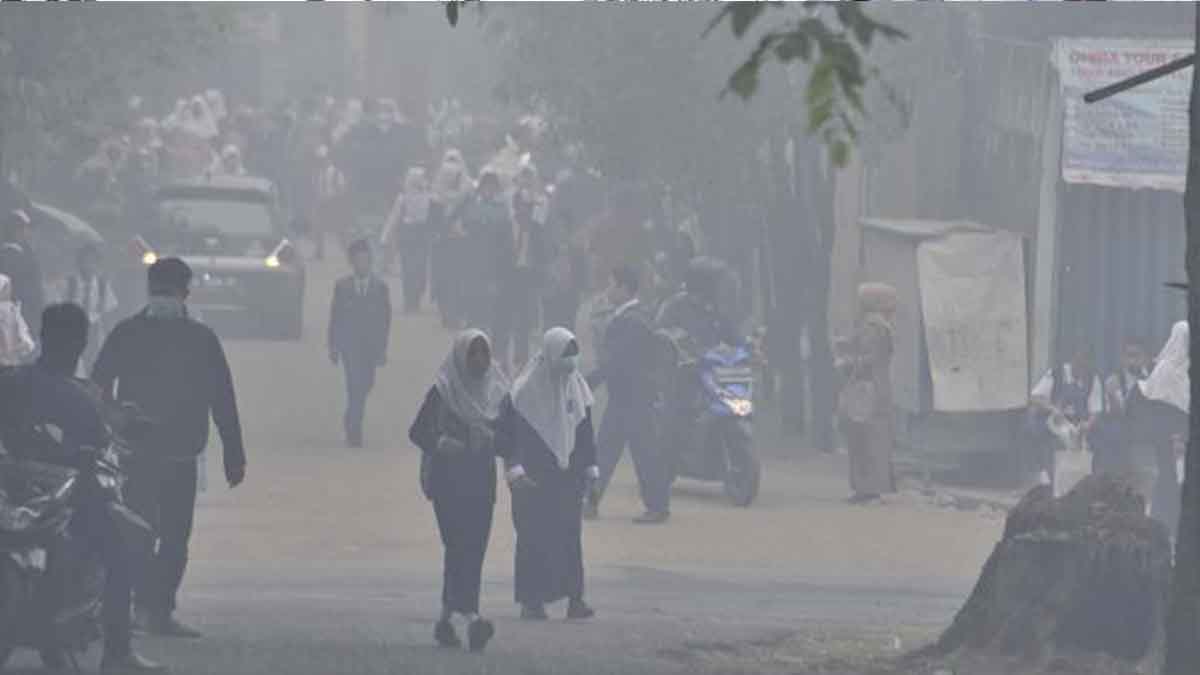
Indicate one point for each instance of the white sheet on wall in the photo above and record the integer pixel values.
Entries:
(972, 289)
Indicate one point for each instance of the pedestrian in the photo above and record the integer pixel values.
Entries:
(488, 251)
(546, 427)
(16, 343)
(59, 399)
(455, 431)
(866, 400)
(91, 290)
(452, 188)
(1160, 406)
(519, 265)
(407, 232)
(1066, 404)
(1115, 449)
(330, 212)
(174, 369)
(625, 365)
(19, 263)
(359, 328)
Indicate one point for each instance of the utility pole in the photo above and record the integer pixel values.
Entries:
(1183, 618)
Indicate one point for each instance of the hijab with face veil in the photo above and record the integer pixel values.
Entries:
(553, 396)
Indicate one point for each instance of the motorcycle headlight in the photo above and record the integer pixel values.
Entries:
(741, 407)
(106, 481)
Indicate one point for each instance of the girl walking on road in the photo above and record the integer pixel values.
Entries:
(546, 426)
(455, 432)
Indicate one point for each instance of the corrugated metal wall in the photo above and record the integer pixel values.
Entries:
(1116, 250)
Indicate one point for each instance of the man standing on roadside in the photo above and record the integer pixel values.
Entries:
(359, 327)
(174, 369)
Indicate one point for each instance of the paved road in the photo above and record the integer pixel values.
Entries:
(327, 559)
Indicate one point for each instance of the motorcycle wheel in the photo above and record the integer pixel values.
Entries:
(744, 472)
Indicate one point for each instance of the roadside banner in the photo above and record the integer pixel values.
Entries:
(1136, 139)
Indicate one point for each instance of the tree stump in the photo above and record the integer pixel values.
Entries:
(1077, 584)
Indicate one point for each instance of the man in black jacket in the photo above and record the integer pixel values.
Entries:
(19, 263)
(359, 328)
(625, 366)
(175, 370)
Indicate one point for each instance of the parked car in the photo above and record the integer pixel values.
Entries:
(232, 234)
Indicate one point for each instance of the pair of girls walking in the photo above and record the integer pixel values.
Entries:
(541, 427)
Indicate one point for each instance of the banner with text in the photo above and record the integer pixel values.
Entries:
(1136, 139)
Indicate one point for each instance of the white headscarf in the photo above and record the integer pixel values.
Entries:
(474, 400)
(552, 395)
(1169, 381)
(16, 344)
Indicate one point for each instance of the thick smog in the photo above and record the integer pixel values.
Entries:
(598, 338)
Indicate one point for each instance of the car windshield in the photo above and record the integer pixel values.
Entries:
(232, 218)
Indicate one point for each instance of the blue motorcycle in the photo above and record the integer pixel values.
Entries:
(705, 412)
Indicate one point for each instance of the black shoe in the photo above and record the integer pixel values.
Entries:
(479, 634)
(578, 610)
(445, 635)
(534, 613)
(129, 663)
(653, 518)
(171, 627)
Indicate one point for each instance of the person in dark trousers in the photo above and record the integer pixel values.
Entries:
(546, 427)
(174, 369)
(625, 364)
(73, 405)
(19, 263)
(359, 328)
(488, 251)
(455, 431)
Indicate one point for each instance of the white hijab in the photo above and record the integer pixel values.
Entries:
(1169, 381)
(552, 395)
(474, 400)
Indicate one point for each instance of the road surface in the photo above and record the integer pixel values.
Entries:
(327, 559)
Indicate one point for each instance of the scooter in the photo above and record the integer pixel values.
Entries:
(705, 412)
(51, 579)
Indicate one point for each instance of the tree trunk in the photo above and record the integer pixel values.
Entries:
(1076, 585)
(1183, 623)
(815, 191)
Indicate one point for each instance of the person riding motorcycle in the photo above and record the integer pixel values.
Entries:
(696, 309)
(58, 399)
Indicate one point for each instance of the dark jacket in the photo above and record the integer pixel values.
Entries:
(626, 358)
(175, 370)
(703, 322)
(20, 264)
(360, 325)
(466, 476)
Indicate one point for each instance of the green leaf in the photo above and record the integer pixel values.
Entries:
(839, 153)
(743, 14)
(744, 81)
